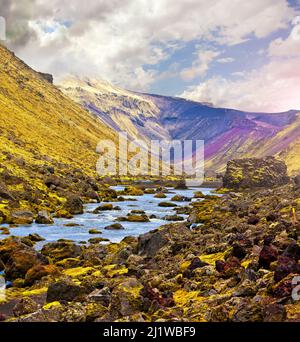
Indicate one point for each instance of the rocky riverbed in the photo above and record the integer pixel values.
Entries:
(233, 258)
(238, 265)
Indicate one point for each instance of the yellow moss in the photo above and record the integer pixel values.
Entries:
(185, 265)
(183, 297)
(97, 274)
(246, 263)
(34, 292)
(77, 271)
(114, 269)
(52, 305)
(293, 311)
(212, 258)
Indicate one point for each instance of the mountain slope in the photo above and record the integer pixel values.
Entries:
(43, 134)
(227, 133)
(118, 108)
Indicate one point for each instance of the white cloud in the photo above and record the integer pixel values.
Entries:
(273, 88)
(225, 60)
(289, 47)
(200, 65)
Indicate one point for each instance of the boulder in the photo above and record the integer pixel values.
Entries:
(114, 226)
(180, 198)
(43, 217)
(61, 250)
(160, 195)
(103, 207)
(150, 243)
(181, 185)
(132, 191)
(134, 218)
(173, 218)
(21, 260)
(285, 266)
(94, 231)
(37, 272)
(25, 306)
(63, 290)
(167, 204)
(254, 172)
(125, 299)
(21, 217)
(74, 205)
(101, 296)
(267, 255)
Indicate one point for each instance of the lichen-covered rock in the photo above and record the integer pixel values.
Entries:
(173, 218)
(74, 205)
(134, 218)
(18, 258)
(284, 267)
(254, 172)
(132, 191)
(125, 299)
(38, 272)
(25, 306)
(61, 250)
(21, 217)
(267, 255)
(114, 226)
(63, 290)
(150, 243)
(43, 217)
(167, 204)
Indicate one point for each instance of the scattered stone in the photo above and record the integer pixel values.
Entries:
(267, 255)
(160, 195)
(43, 217)
(25, 306)
(173, 218)
(94, 231)
(21, 217)
(74, 205)
(167, 204)
(114, 226)
(63, 290)
(61, 250)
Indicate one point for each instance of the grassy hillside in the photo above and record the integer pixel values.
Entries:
(41, 129)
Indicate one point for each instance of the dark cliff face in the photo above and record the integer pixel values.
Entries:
(47, 77)
(255, 173)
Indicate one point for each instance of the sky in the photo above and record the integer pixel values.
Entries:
(232, 53)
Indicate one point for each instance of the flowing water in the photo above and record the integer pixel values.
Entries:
(88, 220)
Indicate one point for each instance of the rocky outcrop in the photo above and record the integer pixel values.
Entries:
(47, 77)
(255, 173)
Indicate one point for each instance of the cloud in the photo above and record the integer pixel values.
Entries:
(123, 41)
(288, 48)
(225, 60)
(200, 65)
(272, 88)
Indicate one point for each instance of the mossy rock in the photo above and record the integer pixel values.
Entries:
(167, 204)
